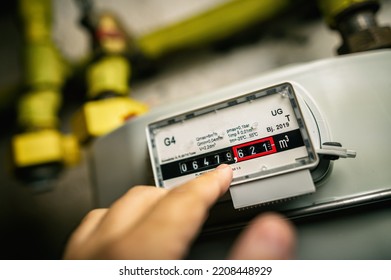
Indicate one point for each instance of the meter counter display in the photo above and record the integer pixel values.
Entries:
(260, 134)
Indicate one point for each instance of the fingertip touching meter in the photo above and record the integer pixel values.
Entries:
(262, 135)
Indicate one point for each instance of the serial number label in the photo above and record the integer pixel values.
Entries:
(250, 271)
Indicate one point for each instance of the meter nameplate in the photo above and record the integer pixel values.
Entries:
(260, 134)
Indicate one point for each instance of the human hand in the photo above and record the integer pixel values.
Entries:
(155, 223)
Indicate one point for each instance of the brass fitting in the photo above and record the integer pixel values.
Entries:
(109, 105)
(109, 74)
(332, 9)
(356, 22)
(99, 117)
(47, 150)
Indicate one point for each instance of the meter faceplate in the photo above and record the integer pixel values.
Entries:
(260, 134)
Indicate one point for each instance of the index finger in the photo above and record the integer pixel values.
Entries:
(177, 218)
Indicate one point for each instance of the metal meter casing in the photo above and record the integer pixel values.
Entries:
(337, 104)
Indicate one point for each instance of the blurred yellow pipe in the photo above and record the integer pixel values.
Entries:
(212, 25)
(44, 68)
(37, 19)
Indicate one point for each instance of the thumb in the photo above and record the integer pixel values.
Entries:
(269, 236)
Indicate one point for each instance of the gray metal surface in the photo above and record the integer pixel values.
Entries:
(352, 93)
